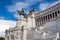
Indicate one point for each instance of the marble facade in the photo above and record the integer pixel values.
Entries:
(44, 25)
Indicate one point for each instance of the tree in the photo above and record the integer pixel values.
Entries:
(1, 38)
(22, 13)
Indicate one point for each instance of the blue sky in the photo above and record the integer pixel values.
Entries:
(8, 13)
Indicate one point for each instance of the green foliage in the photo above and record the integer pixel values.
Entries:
(1, 38)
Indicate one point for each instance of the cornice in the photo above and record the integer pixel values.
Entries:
(57, 6)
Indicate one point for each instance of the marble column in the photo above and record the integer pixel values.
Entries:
(43, 20)
(50, 17)
(53, 15)
(58, 12)
(36, 22)
(47, 17)
(39, 22)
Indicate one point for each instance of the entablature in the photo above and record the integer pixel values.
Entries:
(48, 11)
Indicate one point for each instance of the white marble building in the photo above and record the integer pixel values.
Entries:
(44, 25)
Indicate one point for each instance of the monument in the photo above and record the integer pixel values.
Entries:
(44, 25)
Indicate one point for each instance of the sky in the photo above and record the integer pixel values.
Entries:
(8, 10)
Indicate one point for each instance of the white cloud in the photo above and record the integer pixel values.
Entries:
(33, 1)
(20, 5)
(2, 34)
(44, 6)
(55, 2)
(26, 4)
(16, 15)
(17, 6)
(6, 24)
(2, 17)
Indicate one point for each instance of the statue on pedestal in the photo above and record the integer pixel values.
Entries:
(22, 13)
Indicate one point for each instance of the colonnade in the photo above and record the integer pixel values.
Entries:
(42, 20)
